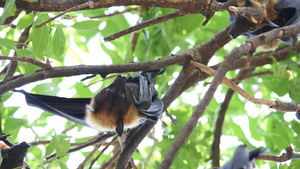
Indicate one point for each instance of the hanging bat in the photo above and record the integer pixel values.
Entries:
(242, 158)
(123, 104)
(278, 13)
(13, 154)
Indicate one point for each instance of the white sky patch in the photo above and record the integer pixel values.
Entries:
(218, 95)
(213, 61)
(26, 135)
(255, 87)
(203, 119)
(131, 18)
(191, 42)
(57, 122)
(109, 45)
(111, 10)
(171, 82)
(175, 74)
(289, 116)
(265, 109)
(258, 94)
(229, 141)
(251, 109)
(146, 143)
(102, 25)
(265, 166)
(71, 163)
(175, 50)
(175, 103)
(285, 98)
(67, 22)
(190, 98)
(158, 130)
(257, 143)
(243, 122)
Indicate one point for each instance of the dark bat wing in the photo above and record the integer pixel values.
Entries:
(70, 108)
(290, 11)
(149, 103)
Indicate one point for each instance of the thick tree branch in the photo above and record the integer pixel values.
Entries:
(88, 69)
(195, 6)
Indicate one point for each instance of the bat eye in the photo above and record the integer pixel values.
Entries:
(108, 90)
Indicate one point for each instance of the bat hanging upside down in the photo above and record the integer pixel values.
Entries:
(277, 13)
(123, 104)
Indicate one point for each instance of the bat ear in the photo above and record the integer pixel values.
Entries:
(120, 127)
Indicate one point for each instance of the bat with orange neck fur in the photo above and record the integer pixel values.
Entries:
(123, 104)
(278, 13)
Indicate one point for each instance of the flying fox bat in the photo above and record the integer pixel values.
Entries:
(242, 158)
(123, 104)
(278, 13)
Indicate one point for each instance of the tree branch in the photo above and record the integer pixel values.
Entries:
(286, 107)
(12, 67)
(28, 60)
(221, 117)
(290, 154)
(195, 6)
(74, 8)
(145, 24)
(99, 139)
(66, 71)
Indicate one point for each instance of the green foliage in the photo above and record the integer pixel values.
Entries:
(67, 41)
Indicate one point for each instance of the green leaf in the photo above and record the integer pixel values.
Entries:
(63, 147)
(62, 165)
(237, 131)
(25, 21)
(51, 146)
(279, 133)
(86, 25)
(7, 10)
(7, 43)
(40, 39)
(59, 42)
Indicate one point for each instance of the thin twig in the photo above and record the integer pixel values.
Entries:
(116, 13)
(112, 160)
(81, 165)
(75, 8)
(274, 104)
(145, 24)
(98, 156)
(28, 60)
(99, 139)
